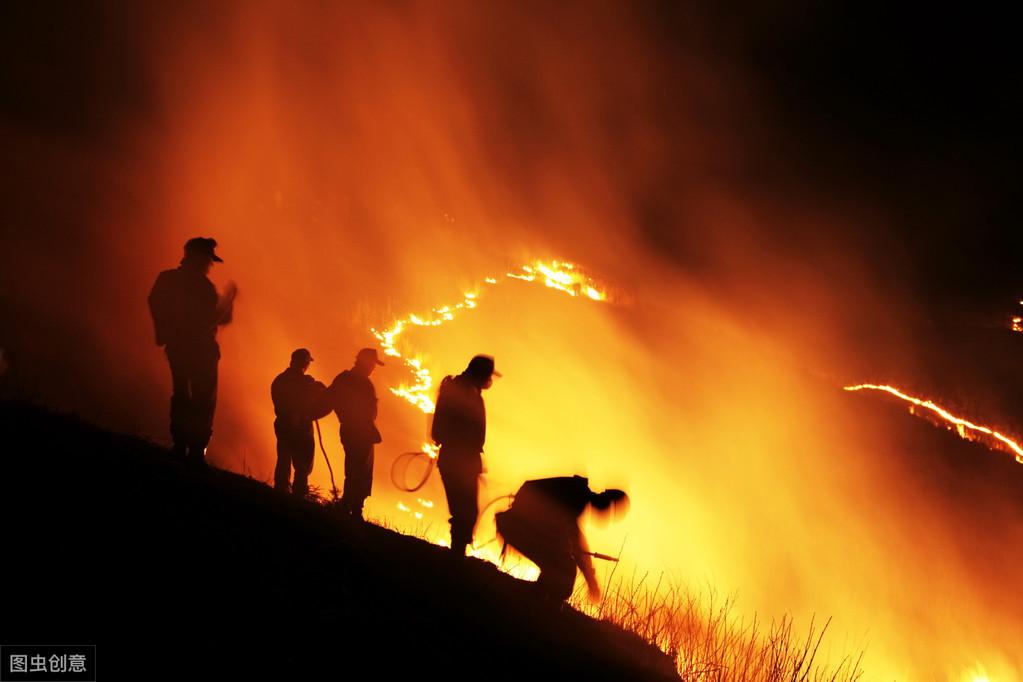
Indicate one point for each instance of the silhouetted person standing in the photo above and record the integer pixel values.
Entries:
(354, 400)
(186, 312)
(460, 427)
(543, 525)
(295, 395)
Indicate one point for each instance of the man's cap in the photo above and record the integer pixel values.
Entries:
(482, 366)
(203, 246)
(301, 355)
(368, 355)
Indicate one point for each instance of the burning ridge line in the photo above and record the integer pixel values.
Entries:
(962, 426)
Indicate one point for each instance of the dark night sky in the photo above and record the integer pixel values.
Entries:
(914, 109)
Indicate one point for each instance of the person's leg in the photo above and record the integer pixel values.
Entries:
(535, 542)
(302, 458)
(358, 476)
(557, 577)
(461, 490)
(204, 401)
(282, 472)
(180, 402)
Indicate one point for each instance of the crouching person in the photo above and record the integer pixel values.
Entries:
(543, 525)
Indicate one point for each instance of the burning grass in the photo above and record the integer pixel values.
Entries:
(708, 642)
(700, 633)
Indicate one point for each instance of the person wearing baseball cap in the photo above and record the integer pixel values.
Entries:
(460, 427)
(186, 311)
(295, 396)
(203, 248)
(354, 400)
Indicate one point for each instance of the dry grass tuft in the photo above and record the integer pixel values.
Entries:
(708, 643)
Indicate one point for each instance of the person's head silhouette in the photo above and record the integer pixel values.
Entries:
(366, 360)
(300, 360)
(481, 371)
(200, 254)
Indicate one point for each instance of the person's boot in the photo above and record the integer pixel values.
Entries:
(180, 452)
(196, 456)
(458, 548)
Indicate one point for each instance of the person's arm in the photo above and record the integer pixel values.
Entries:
(319, 401)
(585, 564)
(225, 304)
(439, 426)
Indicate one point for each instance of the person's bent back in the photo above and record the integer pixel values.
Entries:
(543, 525)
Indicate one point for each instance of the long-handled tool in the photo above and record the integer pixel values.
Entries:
(319, 435)
(598, 555)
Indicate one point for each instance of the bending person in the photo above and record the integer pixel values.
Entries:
(543, 525)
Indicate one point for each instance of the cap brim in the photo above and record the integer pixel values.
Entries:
(497, 374)
(216, 258)
(380, 363)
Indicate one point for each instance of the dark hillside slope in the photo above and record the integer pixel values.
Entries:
(206, 574)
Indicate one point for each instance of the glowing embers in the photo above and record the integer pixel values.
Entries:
(1017, 324)
(558, 275)
(966, 429)
(415, 513)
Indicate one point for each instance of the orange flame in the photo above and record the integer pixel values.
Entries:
(963, 427)
(558, 275)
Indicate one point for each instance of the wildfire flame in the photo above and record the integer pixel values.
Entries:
(559, 275)
(966, 429)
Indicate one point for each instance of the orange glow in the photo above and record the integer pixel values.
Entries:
(1017, 324)
(558, 275)
(966, 429)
